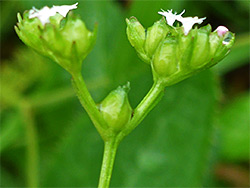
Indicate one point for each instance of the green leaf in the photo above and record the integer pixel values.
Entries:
(77, 160)
(234, 129)
(8, 180)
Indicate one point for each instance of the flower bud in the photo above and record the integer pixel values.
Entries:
(137, 36)
(155, 34)
(221, 50)
(146, 42)
(30, 31)
(200, 53)
(115, 108)
(67, 43)
(165, 62)
(221, 30)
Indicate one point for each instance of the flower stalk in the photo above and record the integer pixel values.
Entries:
(152, 98)
(88, 104)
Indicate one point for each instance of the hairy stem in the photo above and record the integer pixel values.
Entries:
(110, 148)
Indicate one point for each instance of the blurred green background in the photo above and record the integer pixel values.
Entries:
(198, 135)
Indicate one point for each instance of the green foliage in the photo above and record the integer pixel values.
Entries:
(234, 129)
(11, 132)
(21, 73)
(167, 145)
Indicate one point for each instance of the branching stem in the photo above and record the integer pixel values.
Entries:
(110, 137)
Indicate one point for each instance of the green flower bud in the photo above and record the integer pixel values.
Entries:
(67, 42)
(201, 47)
(222, 50)
(137, 36)
(29, 32)
(146, 42)
(155, 34)
(214, 41)
(165, 61)
(115, 108)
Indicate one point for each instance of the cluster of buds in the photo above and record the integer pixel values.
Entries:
(66, 42)
(177, 52)
(174, 52)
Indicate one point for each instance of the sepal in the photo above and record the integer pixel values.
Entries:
(155, 34)
(165, 62)
(137, 36)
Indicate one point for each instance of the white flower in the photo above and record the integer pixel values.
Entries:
(170, 17)
(188, 22)
(45, 13)
(221, 30)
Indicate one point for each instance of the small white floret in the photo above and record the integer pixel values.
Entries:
(170, 17)
(45, 13)
(188, 22)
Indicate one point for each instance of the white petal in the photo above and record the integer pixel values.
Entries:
(45, 13)
(64, 9)
(188, 22)
(170, 17)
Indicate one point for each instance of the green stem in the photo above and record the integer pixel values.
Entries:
(146, 105)
(88, 103)
(32, 146)
(110, 148)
